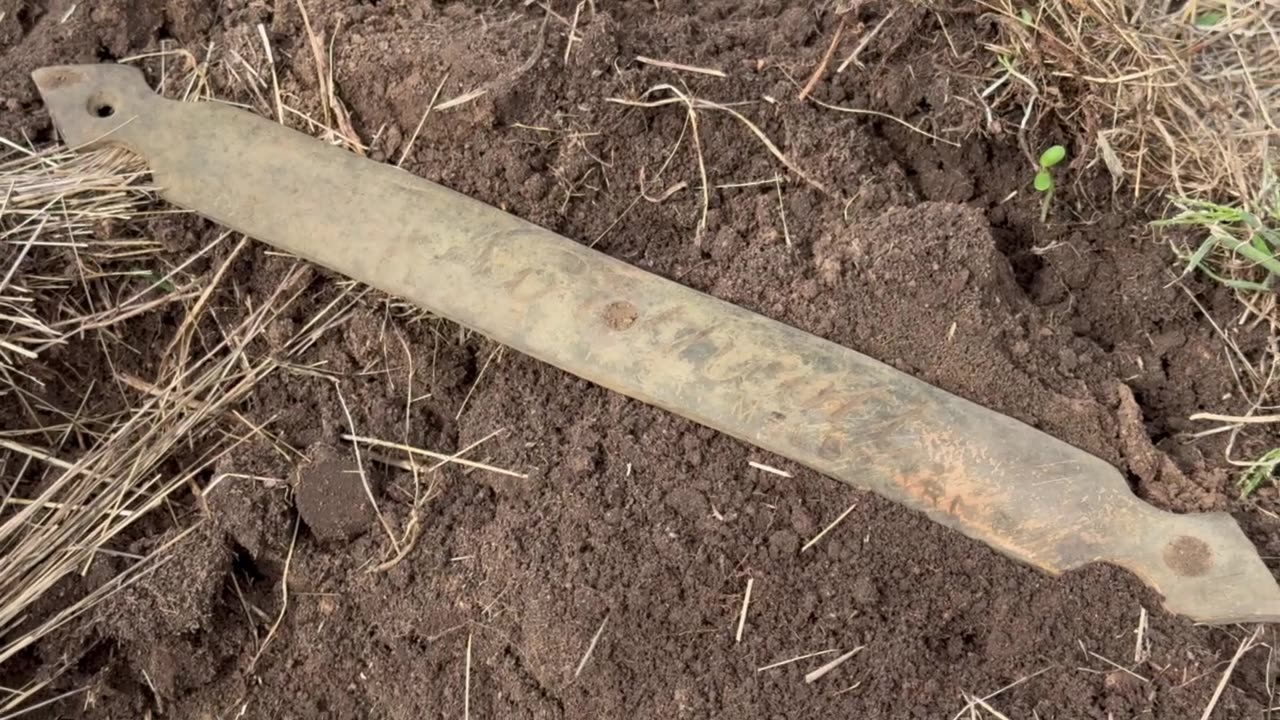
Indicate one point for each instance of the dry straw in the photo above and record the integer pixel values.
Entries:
(53, 205)
(1176, 99)
(74, 267)
(73, 477)
(1185, 101)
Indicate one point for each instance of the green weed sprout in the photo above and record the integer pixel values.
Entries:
(1241, 250)
(1044, 178)
(1236, 236)
(1209, 18)
(1263, 469)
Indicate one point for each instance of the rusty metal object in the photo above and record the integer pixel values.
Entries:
(844, 414)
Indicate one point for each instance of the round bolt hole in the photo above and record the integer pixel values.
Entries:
(101, 104)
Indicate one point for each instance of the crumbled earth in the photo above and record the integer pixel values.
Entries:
(331, 496)
(632, 523)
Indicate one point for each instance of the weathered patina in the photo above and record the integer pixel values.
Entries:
(842, 413)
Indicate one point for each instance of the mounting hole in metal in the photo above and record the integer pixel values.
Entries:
(101, 106)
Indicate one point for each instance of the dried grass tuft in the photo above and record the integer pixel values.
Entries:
(132, 467)
(76, 263)
(55, 207)
(1180, 99)
(62, 215)
(1183, 101)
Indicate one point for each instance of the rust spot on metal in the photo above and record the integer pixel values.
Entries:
(620, 315)
(686, 338)
(61, 78)
(819, 398)
(1188, 556)
(832, 447)
(1026, 494)
(670, 313)
(515, 282)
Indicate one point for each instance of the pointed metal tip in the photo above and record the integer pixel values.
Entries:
(89, 102)
(1207, 569)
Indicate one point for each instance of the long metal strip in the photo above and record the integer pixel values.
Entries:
(853, 418)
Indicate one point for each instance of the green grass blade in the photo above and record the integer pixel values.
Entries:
(1198, 256)
(1262, 470)
(1262, 257)
(1244, 285)
(1209, 18)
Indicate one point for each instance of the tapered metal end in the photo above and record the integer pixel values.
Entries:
(1204, 565)
(93, 104)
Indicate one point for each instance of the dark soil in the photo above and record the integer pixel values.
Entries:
(927, 256)
(330, 496)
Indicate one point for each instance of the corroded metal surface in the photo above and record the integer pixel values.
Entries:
(855, 419)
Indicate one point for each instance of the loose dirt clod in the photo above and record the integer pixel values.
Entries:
(330, 497)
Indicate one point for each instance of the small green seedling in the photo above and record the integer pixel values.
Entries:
(1209, 18)
(1044, 178)
(1262, 470)
(158, 281)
